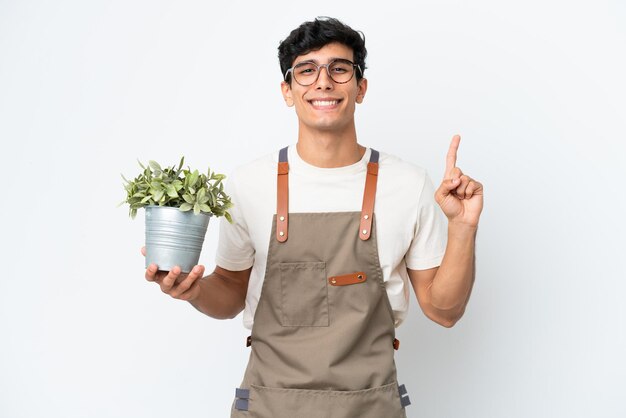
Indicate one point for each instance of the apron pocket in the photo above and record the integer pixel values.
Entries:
(379, 402)
(304, 294)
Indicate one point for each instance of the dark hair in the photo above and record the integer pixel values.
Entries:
(311, 36)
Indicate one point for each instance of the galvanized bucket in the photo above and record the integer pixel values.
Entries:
(174, 238)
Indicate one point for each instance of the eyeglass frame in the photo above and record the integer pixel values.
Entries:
(319, 66)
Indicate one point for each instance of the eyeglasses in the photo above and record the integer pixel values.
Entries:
(339, 70)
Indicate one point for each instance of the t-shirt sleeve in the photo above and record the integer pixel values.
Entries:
(429, 242)
(235, 250)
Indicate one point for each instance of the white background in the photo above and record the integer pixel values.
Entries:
(535, 88)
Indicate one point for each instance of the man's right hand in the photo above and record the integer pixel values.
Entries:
(220, 295)
(175, 283)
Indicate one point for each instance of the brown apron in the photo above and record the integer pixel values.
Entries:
(323, 337)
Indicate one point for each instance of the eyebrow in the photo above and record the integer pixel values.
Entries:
(317, 62)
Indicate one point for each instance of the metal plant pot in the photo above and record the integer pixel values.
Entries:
(174, 238)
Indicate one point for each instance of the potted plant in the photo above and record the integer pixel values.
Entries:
(178, 205)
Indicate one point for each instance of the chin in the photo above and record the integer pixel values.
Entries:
(328, 124)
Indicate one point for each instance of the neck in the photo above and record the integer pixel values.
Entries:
(329, 149)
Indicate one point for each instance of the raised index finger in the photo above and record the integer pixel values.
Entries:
(451, 157)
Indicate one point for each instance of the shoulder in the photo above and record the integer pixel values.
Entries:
(260, 166)
(252, 185)
(394, 169)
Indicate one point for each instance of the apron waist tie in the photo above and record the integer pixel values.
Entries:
(396, 342)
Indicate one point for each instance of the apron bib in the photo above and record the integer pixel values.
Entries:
(323, 337)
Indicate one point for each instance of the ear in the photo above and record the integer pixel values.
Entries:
(362, 88)
(286, 90)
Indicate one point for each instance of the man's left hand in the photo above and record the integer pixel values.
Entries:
(460, 196)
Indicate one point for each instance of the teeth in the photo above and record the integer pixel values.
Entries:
(324, 102)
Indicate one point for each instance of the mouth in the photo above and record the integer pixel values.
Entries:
(324, 103)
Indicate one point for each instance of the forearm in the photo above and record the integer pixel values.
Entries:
(221, 296)
(453, 282)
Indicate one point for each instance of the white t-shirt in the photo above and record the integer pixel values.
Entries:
(411, 228)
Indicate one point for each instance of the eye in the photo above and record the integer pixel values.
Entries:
(305, 69)
(341, 67)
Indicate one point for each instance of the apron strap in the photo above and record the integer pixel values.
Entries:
(369, 195)
(282, 196)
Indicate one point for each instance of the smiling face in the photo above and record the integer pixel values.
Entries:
(325, 105)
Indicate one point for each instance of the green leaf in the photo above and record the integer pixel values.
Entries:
(189, 199)
(155, 166)
(213, 198)
(180, 165)
(158, 195)
(141, 165)
(196, 208)
(205, 208)
(185, 207)
(201, 195)
(193, 178)
(228, 217)
(171, 191)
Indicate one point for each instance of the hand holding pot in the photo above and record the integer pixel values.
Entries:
(175, 283)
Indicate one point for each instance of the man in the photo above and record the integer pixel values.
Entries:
(325, 238)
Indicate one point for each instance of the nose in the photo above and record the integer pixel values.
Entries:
(324, 82)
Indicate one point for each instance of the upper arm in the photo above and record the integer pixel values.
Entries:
(235, 247)
(428, 243)
(422, 280)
